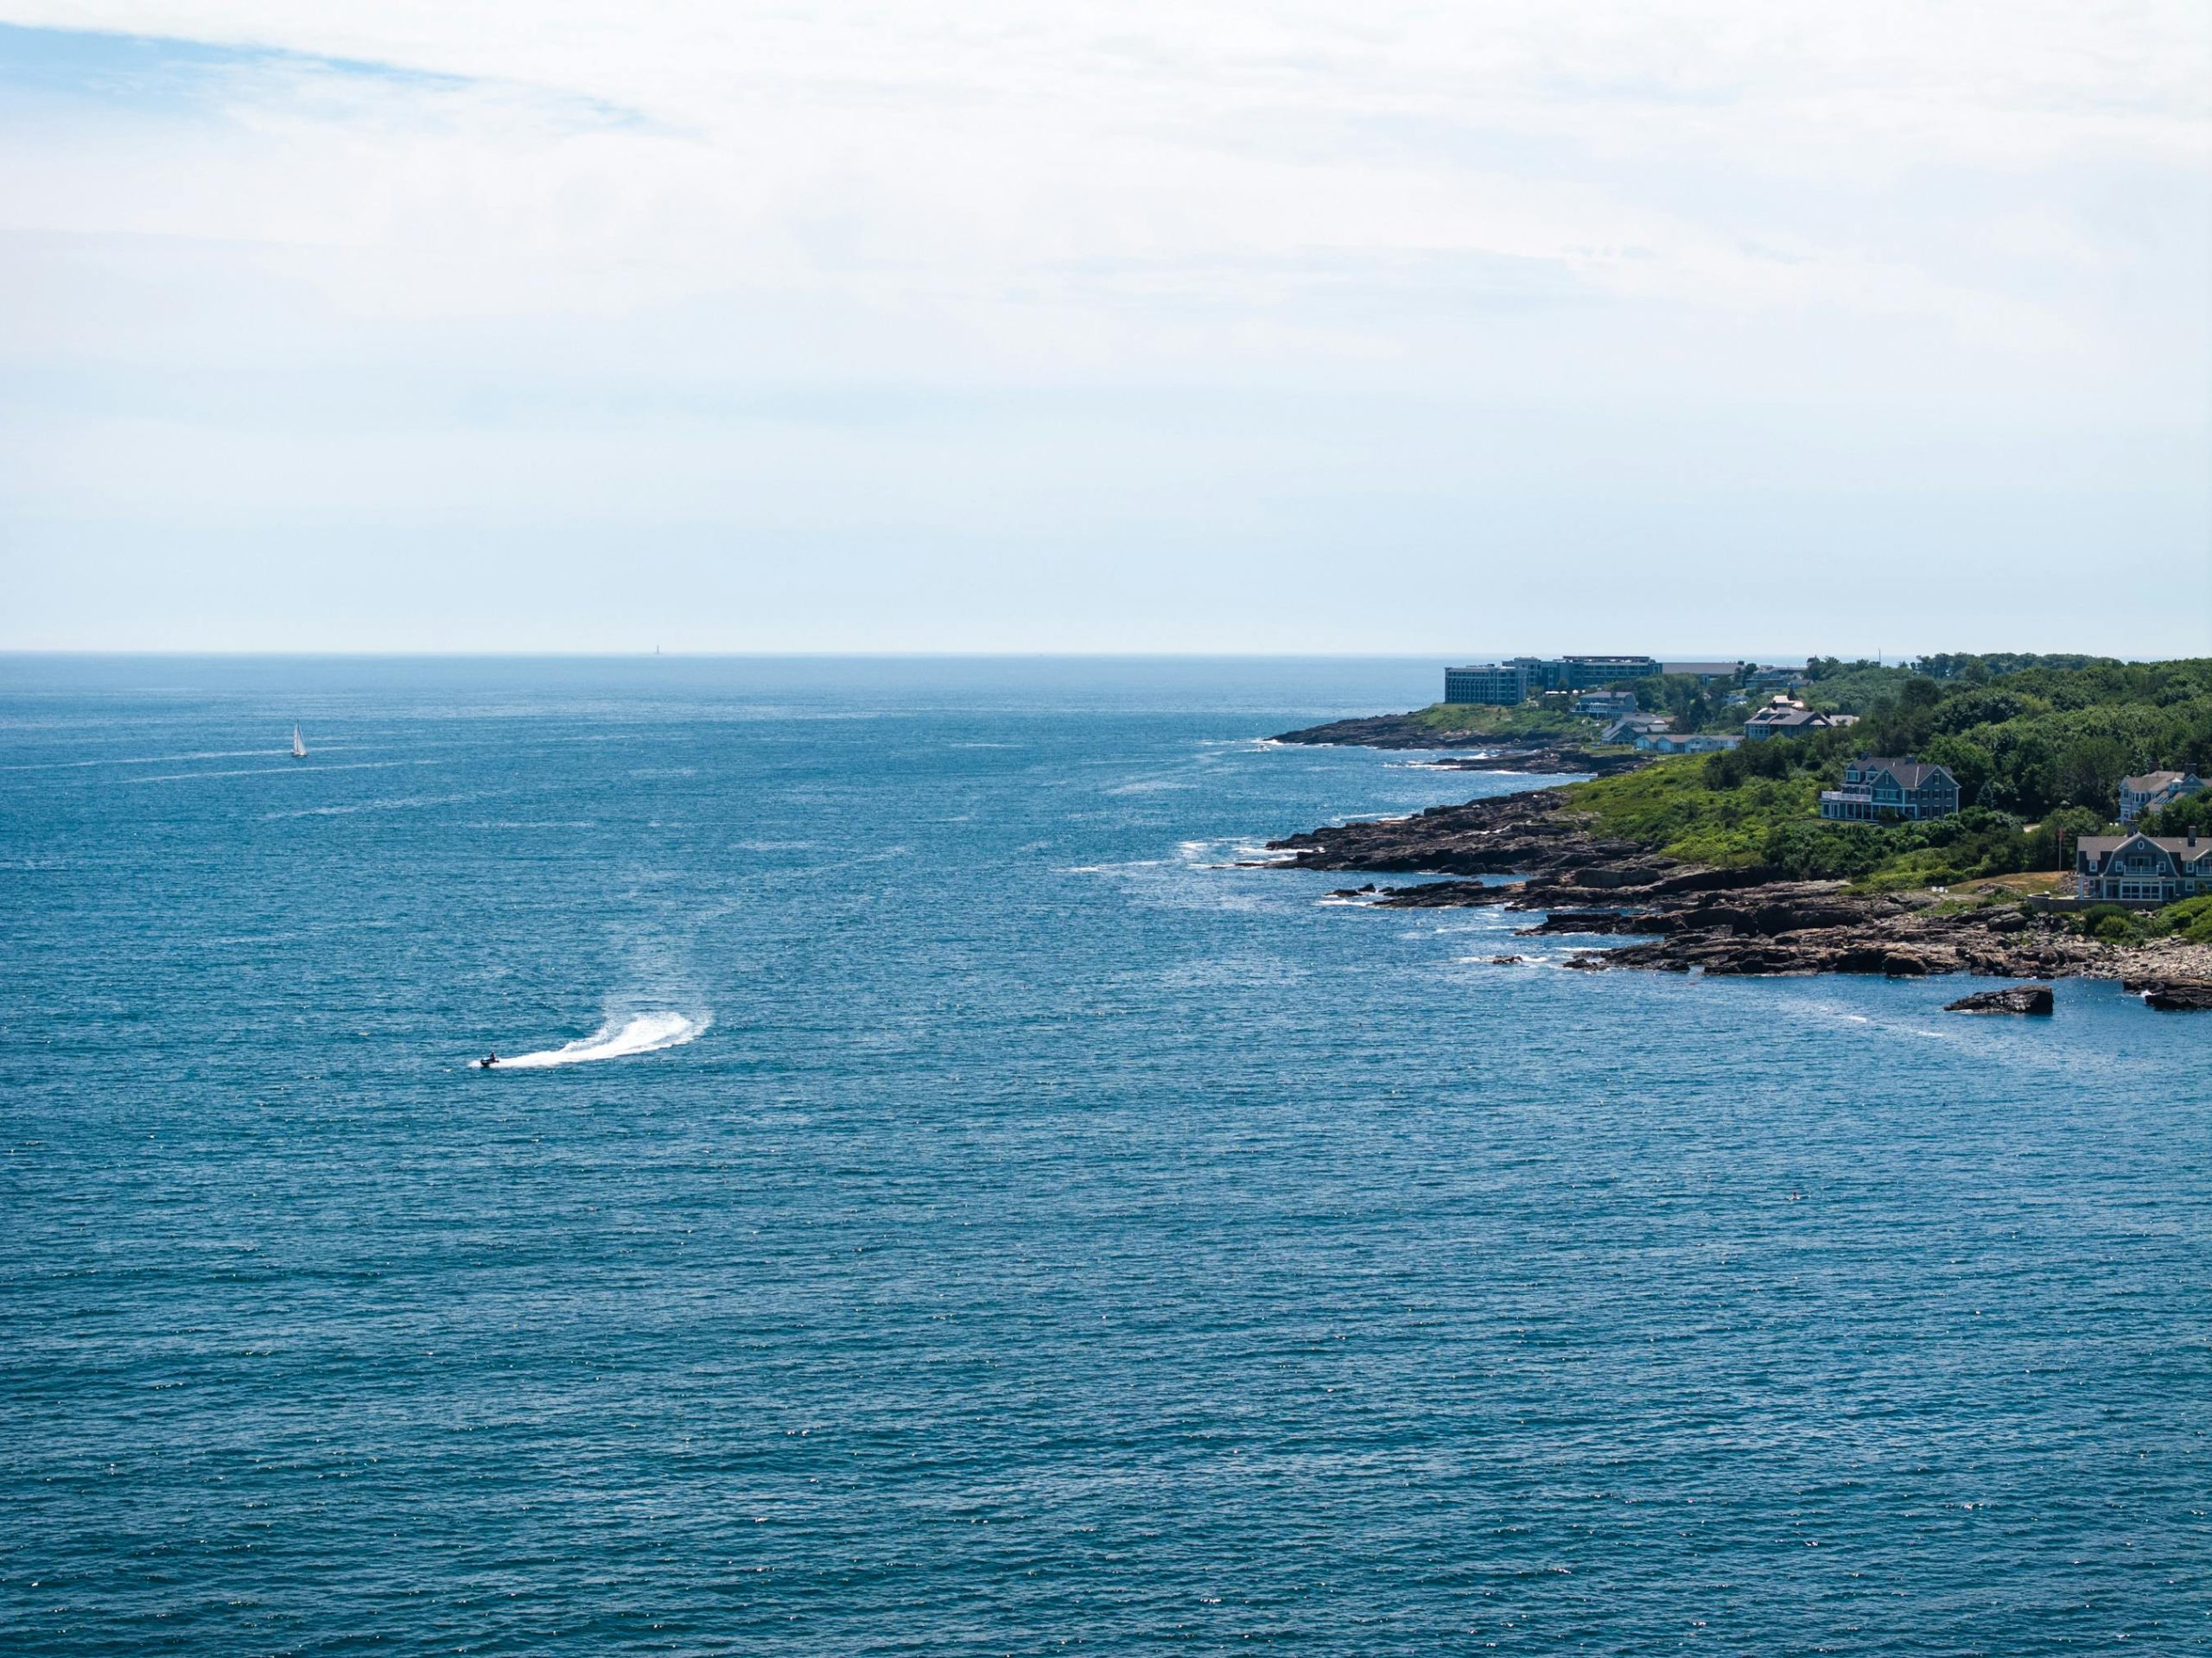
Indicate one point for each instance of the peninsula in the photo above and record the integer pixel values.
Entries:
(1967, 814)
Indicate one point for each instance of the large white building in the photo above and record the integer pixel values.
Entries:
(1505, 683)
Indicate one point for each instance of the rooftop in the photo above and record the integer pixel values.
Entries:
(1910, 773)
(2180, 846)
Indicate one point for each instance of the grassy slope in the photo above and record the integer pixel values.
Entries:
(1529, 720)
(1667, 805)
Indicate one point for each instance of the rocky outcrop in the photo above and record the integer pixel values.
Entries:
(1557, 756)
(1674, 916)
(1384, 731)
(1447, 895)
(1546, 760)
(2018, 999)
(2179, 998)
(1520, 834)
(1784, 932)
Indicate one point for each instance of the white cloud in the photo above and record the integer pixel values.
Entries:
(465, 228)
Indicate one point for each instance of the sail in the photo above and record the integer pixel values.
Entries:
(299, 748)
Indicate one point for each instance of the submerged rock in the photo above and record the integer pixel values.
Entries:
(2014, 999)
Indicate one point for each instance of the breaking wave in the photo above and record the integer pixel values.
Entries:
(641, 1033)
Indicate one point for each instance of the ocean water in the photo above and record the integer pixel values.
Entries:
(951, 1208)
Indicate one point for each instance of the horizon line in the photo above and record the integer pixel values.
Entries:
(1886, 658)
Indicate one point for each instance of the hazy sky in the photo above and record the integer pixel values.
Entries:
(1691, 328)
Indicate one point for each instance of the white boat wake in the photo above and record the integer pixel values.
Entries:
(641, 1033)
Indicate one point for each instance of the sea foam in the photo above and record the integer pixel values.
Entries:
(640, 1034)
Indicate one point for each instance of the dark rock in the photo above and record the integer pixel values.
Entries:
(2015, 999)
(1444, 894)
(1511, 833)
(1485, 754)
(1862, 958)
(1764, 961)
(1713, 880)
(2180, 997)
(1678, 918)
(1579, 921)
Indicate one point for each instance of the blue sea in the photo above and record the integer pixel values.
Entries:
(941, 1202)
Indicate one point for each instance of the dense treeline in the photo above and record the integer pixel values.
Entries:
(1693, 705)
(2039, 744)
(2029, 743)
(2190, 815)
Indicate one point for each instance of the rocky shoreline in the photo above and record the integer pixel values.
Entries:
(1396, 731)
(1676, 917)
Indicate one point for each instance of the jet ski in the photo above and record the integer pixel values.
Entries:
(487, 1062)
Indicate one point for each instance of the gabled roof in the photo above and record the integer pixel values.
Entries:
(1909, 774)
(2150, 782)
(2187, 850)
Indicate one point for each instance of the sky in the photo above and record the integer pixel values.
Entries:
(1694, 328)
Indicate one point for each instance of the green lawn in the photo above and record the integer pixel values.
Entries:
(1530, 720)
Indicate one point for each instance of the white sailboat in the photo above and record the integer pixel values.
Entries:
(299, 748)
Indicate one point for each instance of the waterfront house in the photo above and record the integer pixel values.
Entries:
(1776, 679)
(1629, 727)
(2142, 869)
(1875, 788)
(1784, 717)
(1504, 684)
(1605, 703)
(2155, 789)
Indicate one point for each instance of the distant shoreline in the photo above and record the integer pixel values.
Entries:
(1551, 756)
(1678, 916)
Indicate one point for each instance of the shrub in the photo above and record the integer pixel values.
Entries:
(1822, 851)
(2123, 929)
(2115, 924)
(2191, 919)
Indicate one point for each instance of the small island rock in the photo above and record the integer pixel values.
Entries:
(2014, 999)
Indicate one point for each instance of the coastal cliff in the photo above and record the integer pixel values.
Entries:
(1504, 748)
(1673, 915)
(1727, 862)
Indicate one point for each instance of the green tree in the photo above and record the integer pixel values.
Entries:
(1968, 761)
(2052, 846)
